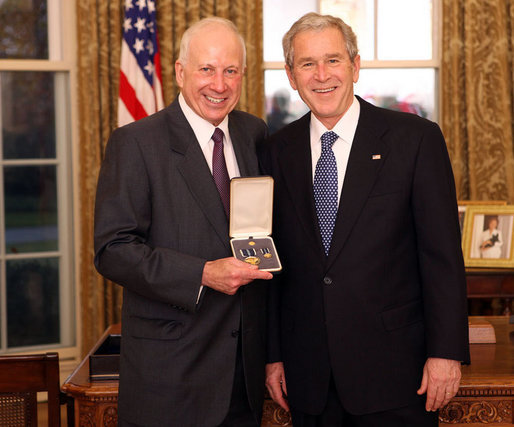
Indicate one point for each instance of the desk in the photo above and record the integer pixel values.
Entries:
(491, 283)
(486, 394)
(96, 402)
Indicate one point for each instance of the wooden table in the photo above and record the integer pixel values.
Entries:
(491, 283)
(96, 402)
(486, 394)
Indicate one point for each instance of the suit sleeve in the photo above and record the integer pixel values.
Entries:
(122, 220)
(439, 250)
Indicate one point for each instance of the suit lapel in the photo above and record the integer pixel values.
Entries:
(195, 171)
(361, 174)
(246, 159)
(296, 167)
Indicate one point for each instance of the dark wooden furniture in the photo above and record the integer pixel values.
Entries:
(21, 378)
(486, 394)
(96, 402)
(491, 283)
(273, 415)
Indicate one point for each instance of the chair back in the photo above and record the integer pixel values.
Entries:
(21, 378)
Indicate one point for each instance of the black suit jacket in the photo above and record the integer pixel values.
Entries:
(158, 219)
(392, 290)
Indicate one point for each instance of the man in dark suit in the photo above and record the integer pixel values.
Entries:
(368, 322)
(192, 349)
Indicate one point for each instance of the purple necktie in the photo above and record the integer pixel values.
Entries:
(219, 169)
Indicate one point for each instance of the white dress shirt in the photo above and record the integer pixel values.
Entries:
(345, 130)
(203, 131)
(494, 251)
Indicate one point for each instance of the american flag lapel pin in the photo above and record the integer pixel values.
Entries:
(376, 157)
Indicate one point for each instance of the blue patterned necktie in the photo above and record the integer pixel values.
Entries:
(325, 189)
(219, 170)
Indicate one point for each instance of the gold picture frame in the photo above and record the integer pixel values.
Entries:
(463, 204)
(481, 202)
(488, 238)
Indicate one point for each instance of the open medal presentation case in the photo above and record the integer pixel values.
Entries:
(251, 217)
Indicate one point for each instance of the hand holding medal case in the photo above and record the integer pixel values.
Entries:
(251, 217)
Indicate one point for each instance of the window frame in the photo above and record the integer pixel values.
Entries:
(434, 63)
(63, 62)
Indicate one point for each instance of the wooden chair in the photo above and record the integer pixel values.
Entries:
(21, 377)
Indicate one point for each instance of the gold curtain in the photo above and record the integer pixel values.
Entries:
(99, 40)
(477, 96)
(99, 43)
(174, 16)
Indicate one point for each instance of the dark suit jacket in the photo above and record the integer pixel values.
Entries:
(158, 219)
(392, 291)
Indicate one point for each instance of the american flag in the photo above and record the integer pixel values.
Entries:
(140, 71)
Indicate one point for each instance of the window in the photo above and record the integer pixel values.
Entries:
(399, 57)
(36, 239)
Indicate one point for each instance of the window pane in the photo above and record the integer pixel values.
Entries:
(410, 90)
(30, 208)
(278, 16)
(404, 89)
(358, 14)
(404, 29)
(28, 114)
(32, 302)
(283, 104)
(23, 29)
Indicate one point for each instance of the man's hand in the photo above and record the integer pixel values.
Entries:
(227, 275)
(441, 379)
(276, 383)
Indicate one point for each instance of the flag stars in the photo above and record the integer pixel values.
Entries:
(149, 47)
(139, 48)
(149, 67)
(140, 24)
(138, 45)
(127, 25)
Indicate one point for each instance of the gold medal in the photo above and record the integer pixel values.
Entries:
(253, 260)
(266, 252)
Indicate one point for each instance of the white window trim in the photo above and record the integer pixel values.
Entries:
(63, 58)
(434, 63)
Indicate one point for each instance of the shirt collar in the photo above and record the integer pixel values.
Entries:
(202, 128)
(344, 128)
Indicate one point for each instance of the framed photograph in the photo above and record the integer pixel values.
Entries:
(489, 236)
(462, 214)
(463, 204)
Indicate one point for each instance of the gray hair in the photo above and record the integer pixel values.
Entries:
(317, 22)
(197, 26)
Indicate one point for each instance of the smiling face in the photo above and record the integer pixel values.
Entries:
(323, 73)
(210, 78)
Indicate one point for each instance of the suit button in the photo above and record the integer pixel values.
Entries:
(327, 280)
(235, 333)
